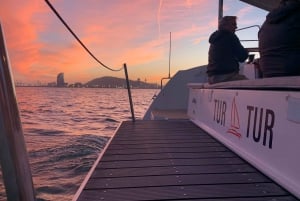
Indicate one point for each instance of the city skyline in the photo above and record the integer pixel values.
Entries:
(61, 82)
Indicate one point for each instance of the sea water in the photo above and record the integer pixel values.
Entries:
(65, 129)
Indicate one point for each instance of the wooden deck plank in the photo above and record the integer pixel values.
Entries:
(181, 170)
(170, 162)
(277, 198)
(169, 114)
(166, 150)
(173, 180)
(167, 145)
(185, 192)
(152, 156)
(126, 141)
(175, 160)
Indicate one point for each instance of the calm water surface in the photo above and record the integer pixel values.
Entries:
(65, 129)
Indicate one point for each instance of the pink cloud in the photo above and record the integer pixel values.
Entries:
(21, 33)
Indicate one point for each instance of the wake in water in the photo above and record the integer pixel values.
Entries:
(67, 163)
(58, 171)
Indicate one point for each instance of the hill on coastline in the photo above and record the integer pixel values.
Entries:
(114, 82)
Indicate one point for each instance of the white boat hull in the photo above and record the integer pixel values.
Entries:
(262, 126)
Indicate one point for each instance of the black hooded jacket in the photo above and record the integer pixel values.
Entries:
(279, 42)
(225, 53)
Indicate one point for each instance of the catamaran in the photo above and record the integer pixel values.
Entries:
(235, 140)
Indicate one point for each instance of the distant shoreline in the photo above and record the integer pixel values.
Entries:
(101, 82)
(18, 86)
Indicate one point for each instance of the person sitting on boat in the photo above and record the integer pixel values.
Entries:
(279, 41)
(225, 53)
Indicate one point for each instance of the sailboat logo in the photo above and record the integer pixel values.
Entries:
(235, 121)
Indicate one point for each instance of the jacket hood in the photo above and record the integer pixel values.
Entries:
(282, 12)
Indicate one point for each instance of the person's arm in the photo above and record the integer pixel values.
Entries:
(239, 51)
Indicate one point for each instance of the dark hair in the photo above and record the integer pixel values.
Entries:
(226, 20)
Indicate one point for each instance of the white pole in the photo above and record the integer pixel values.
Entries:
(13, 155)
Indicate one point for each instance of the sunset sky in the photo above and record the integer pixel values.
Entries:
(135, 32)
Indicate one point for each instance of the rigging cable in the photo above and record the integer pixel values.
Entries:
(81, 43)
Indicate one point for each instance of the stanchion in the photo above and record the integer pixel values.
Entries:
(129, 93)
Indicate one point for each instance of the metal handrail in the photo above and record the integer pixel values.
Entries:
(164, 78)
(248, 28)
(129, 93)
(13, 154)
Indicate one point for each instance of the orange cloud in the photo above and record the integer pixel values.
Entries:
(21, 33)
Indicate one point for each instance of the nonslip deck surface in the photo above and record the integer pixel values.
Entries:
(175, 160)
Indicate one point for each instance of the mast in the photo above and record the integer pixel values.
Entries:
(169, 76)
(170, 56)
(220, 10)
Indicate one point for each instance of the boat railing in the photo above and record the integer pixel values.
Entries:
(14, 161)
(162, 79)
(129, 93)
(255, 49)
(249, 27)
(251, 67)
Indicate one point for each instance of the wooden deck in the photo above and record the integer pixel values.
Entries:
(169, 114)
(175, 160)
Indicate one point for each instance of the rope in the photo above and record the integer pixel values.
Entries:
(81, 43)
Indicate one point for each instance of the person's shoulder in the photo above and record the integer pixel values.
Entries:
(227, 33)
(283, 13)
(214, 36)
(230, 35)
(214, 33)
(224, 33)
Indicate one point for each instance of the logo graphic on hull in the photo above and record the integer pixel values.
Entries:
(235, 121)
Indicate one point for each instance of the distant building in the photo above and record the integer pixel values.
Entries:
(60, 80)
(52, 84)
(78, 85)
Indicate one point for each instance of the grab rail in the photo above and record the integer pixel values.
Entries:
(248, 28)
(13, 155)
(129, 93)
(164, 78)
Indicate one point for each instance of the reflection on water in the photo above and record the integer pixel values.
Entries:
(66, 128)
